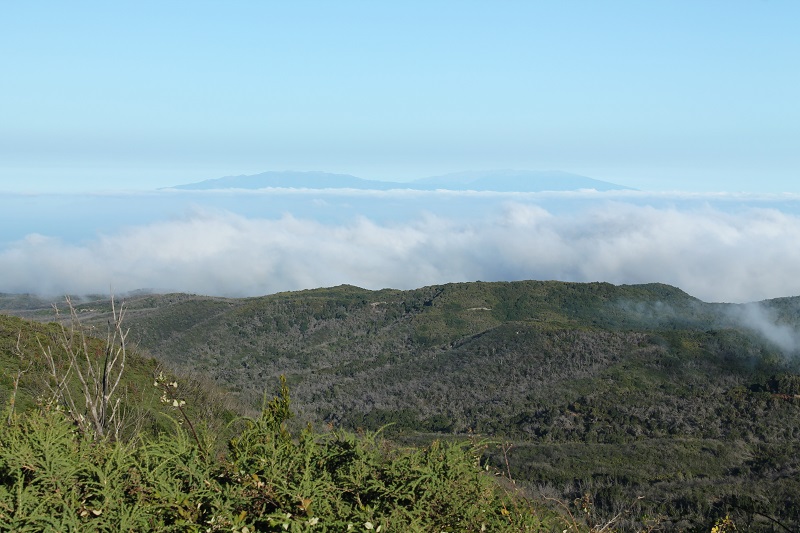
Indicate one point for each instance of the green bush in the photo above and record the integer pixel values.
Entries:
(56, 478)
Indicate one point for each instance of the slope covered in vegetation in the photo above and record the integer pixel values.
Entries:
(642, 399)
(194, 467)
(35, 370)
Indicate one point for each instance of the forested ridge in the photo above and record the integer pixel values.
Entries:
(648, 402)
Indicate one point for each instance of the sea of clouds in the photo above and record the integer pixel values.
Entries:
(731, 248)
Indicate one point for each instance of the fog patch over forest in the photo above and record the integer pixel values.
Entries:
(764, 321)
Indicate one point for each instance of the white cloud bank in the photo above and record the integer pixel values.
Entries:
(714, 255)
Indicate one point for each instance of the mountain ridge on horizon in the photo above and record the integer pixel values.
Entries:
(490, 180)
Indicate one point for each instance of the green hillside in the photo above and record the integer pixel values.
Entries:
(642, 397)
(26, 380)
(184, 461)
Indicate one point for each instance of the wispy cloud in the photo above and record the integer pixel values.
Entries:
(712, 254)
(764, 321)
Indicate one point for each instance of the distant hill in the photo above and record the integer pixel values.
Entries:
(290, 179)
(496, 180)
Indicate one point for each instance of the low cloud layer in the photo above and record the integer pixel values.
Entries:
(711, 254)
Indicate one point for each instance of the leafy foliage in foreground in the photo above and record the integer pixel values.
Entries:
(55, 478)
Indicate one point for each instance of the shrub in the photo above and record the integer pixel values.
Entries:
(55, 477)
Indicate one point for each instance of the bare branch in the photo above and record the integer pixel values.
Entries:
(99, 384)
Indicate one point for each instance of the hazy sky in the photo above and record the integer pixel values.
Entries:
(694, 103)
(657, 95)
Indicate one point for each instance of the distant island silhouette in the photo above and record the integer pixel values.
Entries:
(492, 180)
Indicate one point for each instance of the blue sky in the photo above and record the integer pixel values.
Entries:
(678, 95)
(693, 103)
